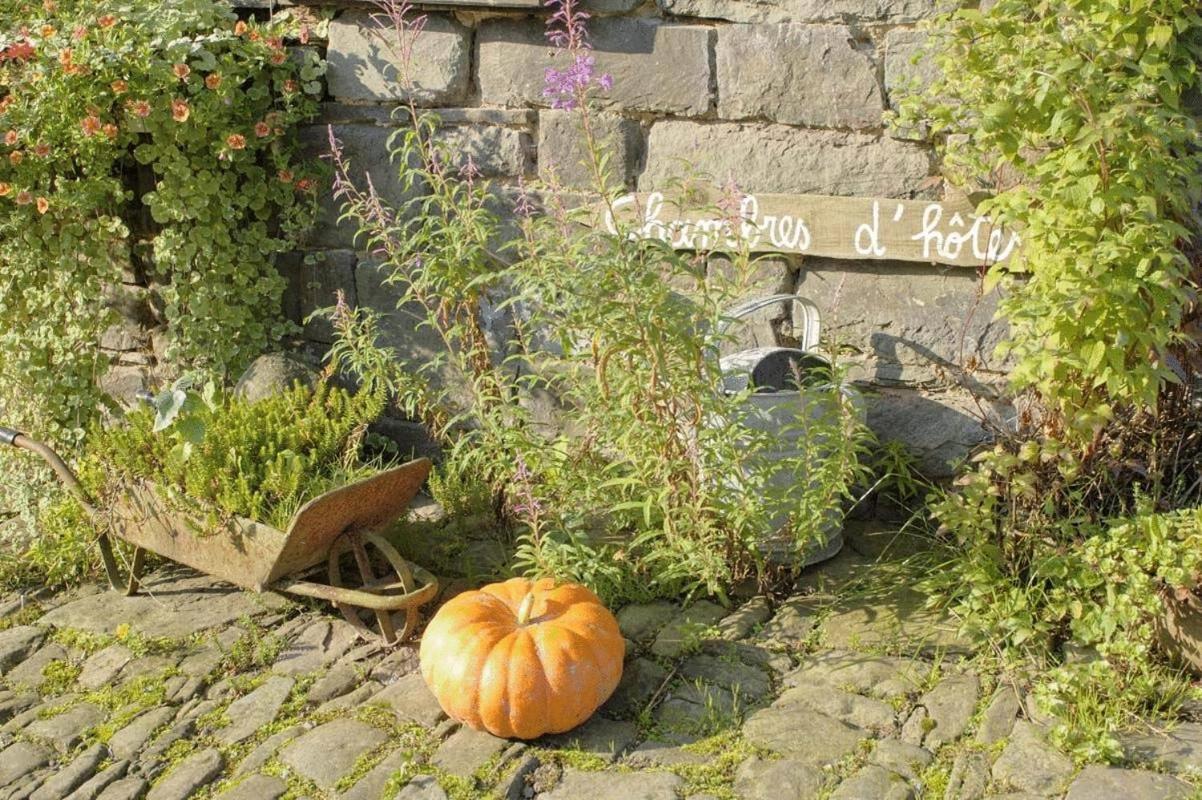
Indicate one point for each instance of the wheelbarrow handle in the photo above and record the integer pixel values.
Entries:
(22, 441)
(19, 440)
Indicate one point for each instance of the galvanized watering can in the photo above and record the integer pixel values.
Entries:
(788, 383)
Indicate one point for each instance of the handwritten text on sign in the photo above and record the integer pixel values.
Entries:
(834, 227)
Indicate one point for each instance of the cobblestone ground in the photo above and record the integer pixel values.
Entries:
(842, 691)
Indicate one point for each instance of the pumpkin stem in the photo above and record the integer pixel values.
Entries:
(525, 608)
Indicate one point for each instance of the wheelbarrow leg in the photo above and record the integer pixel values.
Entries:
(111, 570)
(135, 572)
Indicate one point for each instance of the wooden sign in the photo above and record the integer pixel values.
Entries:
(854, 228)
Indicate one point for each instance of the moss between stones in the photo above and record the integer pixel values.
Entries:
(27, 615)
(254, 649)
(717, 776)
(57, 677)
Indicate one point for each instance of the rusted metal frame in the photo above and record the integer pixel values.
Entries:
(364, 599)
(383, 618)
(348, 601)
(408, 581)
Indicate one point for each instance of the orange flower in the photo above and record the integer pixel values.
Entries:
(239, 28)
(65, 56)
(180, 110)
(275, 42)
(119, 87)
(5, 188)
(80, 33)
(182, 71)
(50, 6)
(285, 176)
(110, 130)
(255, 36)
(24, 198)
(16, 157)
(43, 205)
(90, 125)
(213, 80)
(107, 21)
(262, 129)
(291, 86)
(42, 150)
(278, 57)
(21, 51)
(140, 108)
(304, 184)
(6, 102)
(10, 138)
(48, 31)
(235, 141)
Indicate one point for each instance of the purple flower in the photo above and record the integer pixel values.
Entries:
(565, 87)
(524, 207)
(730, 202)
(567, 28)
(342, 310)
(568, 32)
(469, 171)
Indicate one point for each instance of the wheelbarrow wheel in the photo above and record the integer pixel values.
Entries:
(405, 583)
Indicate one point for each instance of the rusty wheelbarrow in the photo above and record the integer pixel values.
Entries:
(259, 557)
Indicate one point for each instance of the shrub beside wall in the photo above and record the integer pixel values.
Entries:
(778, 98)
(149, 174)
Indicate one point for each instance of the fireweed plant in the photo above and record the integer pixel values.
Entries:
(151, 140)
(579, 380)
(1075, 528)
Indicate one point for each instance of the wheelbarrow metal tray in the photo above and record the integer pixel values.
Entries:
(254, 555)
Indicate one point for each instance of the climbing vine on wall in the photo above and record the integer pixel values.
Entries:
(144, 139)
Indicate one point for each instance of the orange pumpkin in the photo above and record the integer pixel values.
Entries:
(522, 658)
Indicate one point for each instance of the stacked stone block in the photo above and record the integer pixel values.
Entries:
(785, 96)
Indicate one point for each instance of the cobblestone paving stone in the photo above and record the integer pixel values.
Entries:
(230, 695)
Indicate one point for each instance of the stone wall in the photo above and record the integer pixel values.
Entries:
(780, 95)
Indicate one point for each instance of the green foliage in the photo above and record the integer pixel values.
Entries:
(599, 427)
(1083, 103)
(460, 492)
(61, 554)
(151, 139)
(259, 460)
(898, 477)
(253, 649)
(1093, 700)
(58, 676)
(1073, 118)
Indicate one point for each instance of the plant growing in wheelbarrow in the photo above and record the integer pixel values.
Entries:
(257, 493)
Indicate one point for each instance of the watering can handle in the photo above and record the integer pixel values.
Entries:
(811, 323)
